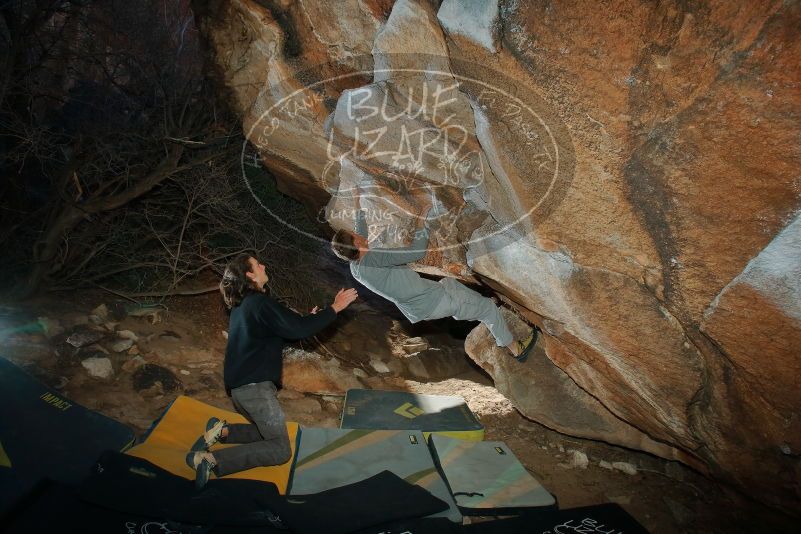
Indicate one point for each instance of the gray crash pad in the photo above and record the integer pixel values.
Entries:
(328, 458)
(485, 478)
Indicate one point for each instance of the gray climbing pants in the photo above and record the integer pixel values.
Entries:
(265, 441)
(464, 304)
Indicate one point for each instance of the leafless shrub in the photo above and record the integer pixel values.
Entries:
(177, 240)
(121, 166)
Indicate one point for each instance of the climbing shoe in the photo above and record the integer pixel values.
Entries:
(526, 345)
(202, 467)
(214, 428)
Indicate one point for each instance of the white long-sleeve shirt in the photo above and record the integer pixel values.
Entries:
(384, 271)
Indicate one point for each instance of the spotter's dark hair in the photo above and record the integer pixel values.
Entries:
(235, 285)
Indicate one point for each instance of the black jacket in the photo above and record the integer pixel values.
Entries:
(257, 330)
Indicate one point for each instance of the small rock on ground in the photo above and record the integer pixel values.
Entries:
(98, 367)
(83, 337)
(414, 345)
(625, 467)
(122, 345)
(127, 334)
(379, 366)
(577, 459)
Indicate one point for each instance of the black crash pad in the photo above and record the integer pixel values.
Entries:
(46, 435)
(136, 486)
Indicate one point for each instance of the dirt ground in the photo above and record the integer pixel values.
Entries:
(183, 344)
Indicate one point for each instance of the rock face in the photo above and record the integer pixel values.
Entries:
(626, 177)
(309, 372)
(544, 392)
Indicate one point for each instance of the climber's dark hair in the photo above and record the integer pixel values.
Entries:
(235, 285)
(343, 247)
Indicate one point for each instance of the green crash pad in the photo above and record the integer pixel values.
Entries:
(45, 435)
(401, 410)
(485, 478)
(328, 458)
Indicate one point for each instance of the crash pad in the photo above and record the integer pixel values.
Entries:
(401, 410)
(329, 458)
(43, 434)
(130, 495)
(486, 478)
(178, 429)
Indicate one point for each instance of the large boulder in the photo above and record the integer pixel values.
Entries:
(626, 177)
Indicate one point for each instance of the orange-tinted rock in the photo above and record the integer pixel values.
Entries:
(756, 322)
(627, 176)
(308, 372)
(537, 387)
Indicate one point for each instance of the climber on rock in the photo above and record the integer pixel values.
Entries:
(385, 272)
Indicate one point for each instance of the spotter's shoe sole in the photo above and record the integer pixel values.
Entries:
(215, 425)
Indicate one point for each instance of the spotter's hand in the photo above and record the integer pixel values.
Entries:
(343, 299)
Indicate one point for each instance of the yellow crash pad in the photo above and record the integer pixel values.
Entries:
(179, 428)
